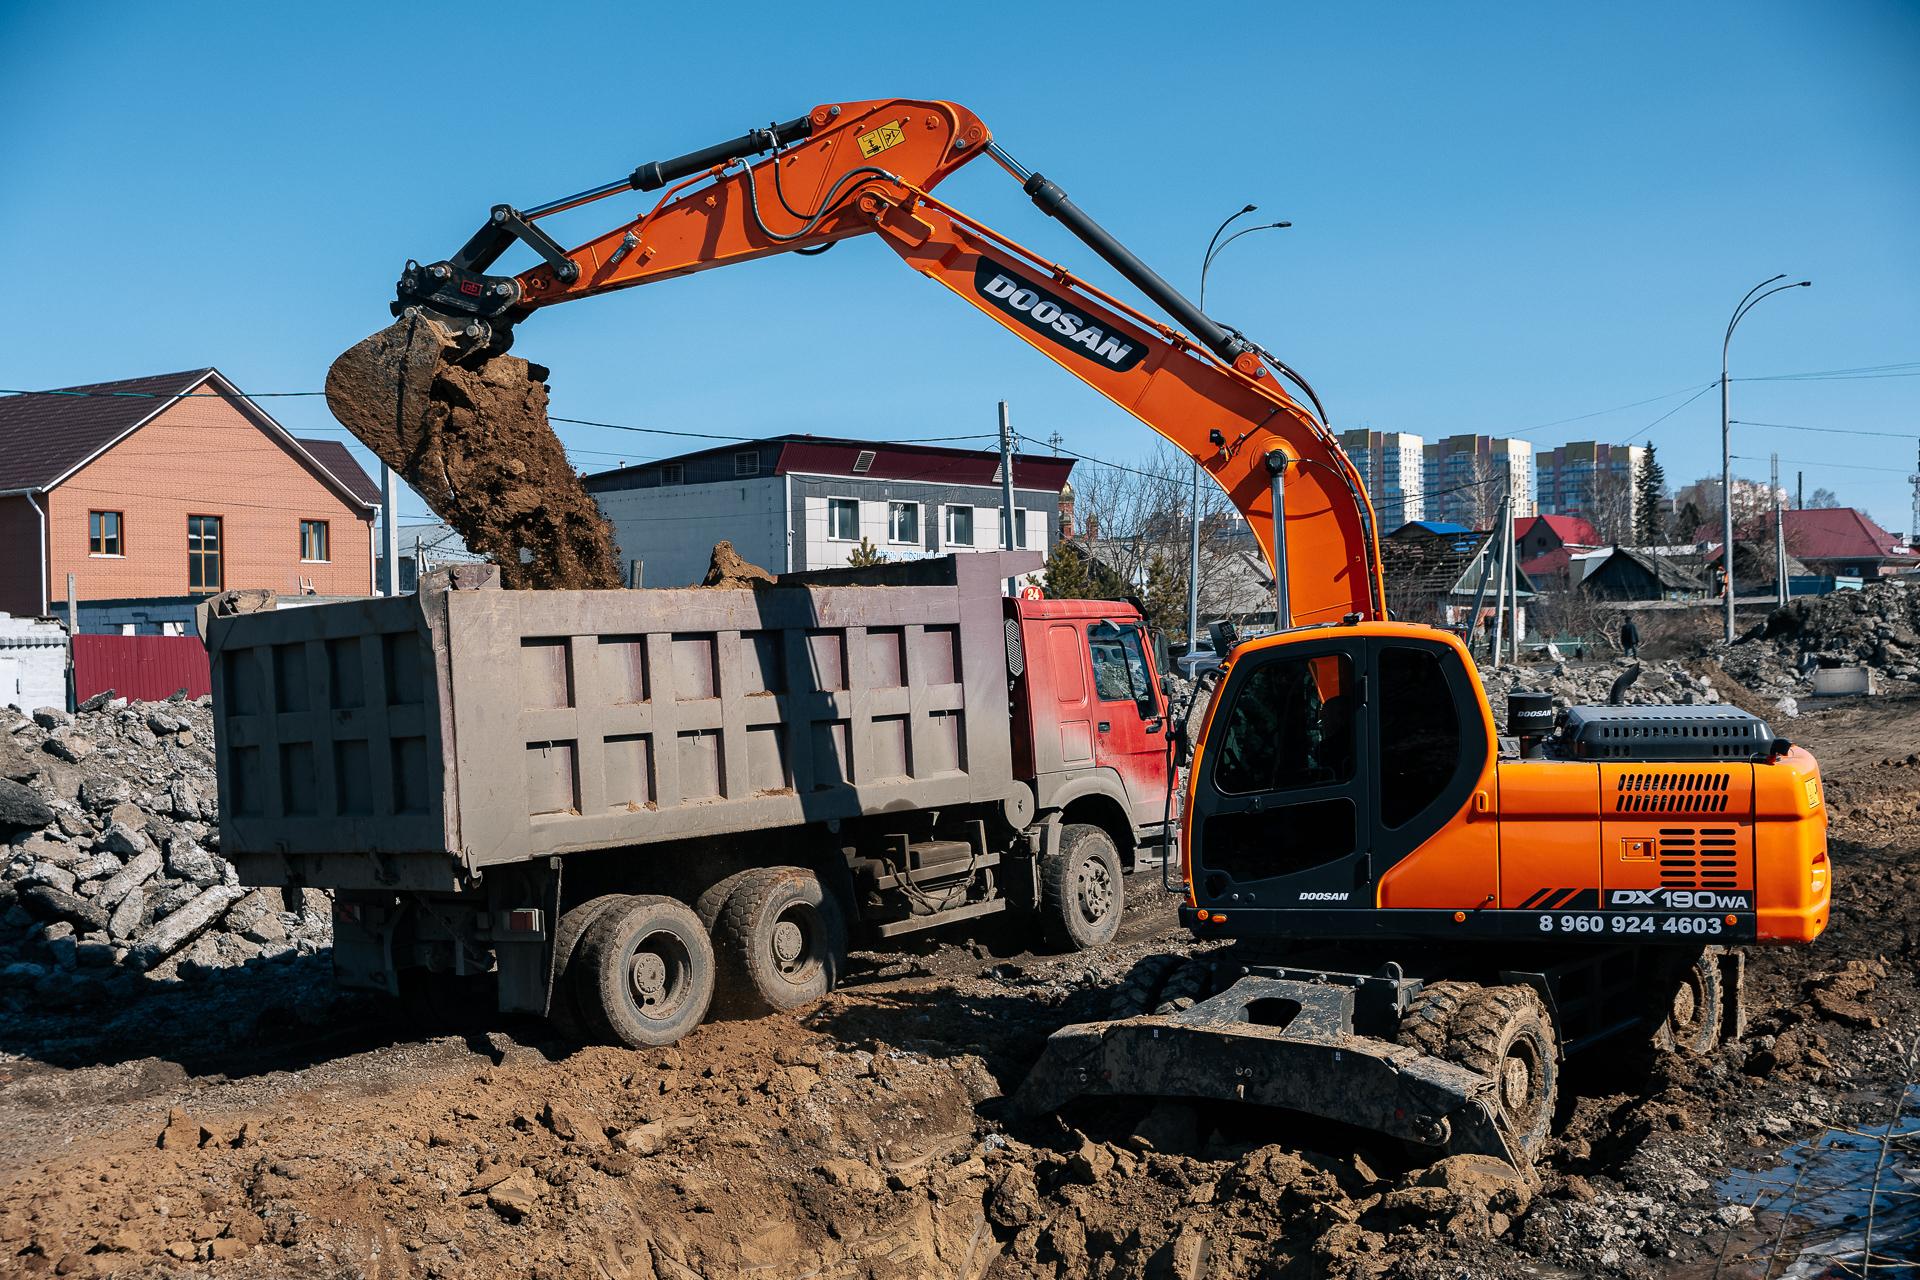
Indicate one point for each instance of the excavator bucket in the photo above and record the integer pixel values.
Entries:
(1276, 1042)
(470, 434)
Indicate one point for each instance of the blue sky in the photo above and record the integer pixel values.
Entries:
(1505, 215)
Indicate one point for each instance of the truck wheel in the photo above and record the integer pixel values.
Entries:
(781, 941)
(1428, 1021)
(1504, 1033)
(644, 973)
(1082, 890)
(1692, 1011)
(713, 899)
(563, 1007)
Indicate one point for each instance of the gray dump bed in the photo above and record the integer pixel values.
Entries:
(402, 741)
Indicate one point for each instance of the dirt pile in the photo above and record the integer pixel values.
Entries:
(112, 880)
(729, 570)
(1589, 684)
(1877, 626)
(475, 443)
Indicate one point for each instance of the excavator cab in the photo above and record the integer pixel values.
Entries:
(1330, 756)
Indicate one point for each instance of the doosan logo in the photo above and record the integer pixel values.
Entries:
(1054, 319)
(1323, 897)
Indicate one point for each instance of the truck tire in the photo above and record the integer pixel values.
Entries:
(644, 972)
(780, 940)
(563, 1006)
(1504, 1033)
(1428, 1022)
(1690, 1015)
(714, 897)
(1082, 889)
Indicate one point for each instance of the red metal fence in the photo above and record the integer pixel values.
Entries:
(145, 667)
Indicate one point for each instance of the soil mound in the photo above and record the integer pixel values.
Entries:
(475, 443)
(729, 570)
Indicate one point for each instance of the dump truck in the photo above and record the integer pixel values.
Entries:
(623, 801)
(1424, 923)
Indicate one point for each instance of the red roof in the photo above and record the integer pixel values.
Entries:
(1826, 533)
(1547, 563)
(1569, 529)
(826, 456)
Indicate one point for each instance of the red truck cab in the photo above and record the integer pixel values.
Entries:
(1090, 717)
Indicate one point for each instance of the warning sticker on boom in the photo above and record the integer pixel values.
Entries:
(875, 141)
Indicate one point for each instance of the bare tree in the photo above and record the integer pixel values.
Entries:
(1611, 507)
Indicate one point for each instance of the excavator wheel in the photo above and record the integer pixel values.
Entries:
(1187, 986)
(1693, 1011)
(1504, 1033)
(1428, 1022)
(1141, 991)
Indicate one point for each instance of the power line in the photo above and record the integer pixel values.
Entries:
(1831, 431)
(1843, 466)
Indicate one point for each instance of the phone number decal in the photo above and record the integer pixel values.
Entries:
(1621, 922)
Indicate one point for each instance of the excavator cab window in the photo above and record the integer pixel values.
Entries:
(1419, 732)
(1290, 726)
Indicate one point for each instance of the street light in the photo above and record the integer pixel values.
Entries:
(1214, 246)
(1753, 299)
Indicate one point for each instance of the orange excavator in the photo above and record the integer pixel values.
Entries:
(1431, 917)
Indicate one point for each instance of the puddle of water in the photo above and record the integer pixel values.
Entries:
(1814, 1206)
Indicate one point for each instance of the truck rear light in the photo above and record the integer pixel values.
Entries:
(526, 922)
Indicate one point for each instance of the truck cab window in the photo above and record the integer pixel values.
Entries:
(1290, 726)
(1120, 667)
(1419, 733)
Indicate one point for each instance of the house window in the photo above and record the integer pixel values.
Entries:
(203, 553)
(960, 526)
(673, 473)
(103, 534)
(313, 540)
(903, 522)
(1019, 528)
(843, 519)
(746, 463)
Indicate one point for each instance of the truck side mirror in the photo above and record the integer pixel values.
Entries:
(1182, 747)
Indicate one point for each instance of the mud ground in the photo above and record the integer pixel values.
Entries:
(475, 444)
(272, 1129)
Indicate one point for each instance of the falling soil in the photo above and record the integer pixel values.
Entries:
(474, 442)
(870, 1136)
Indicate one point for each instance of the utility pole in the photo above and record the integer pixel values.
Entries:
(1007, 514)
(1779, 541)
(1513, 571)
(390, 531)
(1497, 545)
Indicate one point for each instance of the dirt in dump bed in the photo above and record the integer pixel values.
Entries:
(475, 443)
(730, 570)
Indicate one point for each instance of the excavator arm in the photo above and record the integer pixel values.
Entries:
(870, 168)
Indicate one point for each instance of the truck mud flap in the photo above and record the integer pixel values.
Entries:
(1277, 1043)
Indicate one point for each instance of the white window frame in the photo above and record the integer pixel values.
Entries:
(831, 504)
(893, 508)
(746, 463)
(973, 524)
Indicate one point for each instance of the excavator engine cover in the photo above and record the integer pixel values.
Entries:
(1665, 734)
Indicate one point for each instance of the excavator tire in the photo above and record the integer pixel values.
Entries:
(644, 972)
(1188, 985)
(1505, 1033)
(1694, 1006)
(1428, 1022)
(1141, 991)
(563, 1009)
(781, 941)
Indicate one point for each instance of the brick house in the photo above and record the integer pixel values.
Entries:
(169, 488)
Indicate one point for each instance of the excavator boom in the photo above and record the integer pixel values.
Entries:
(861, 168)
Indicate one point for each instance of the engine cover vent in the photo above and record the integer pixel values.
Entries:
(1665, 733)
(1658, 792)
(1706, 858)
